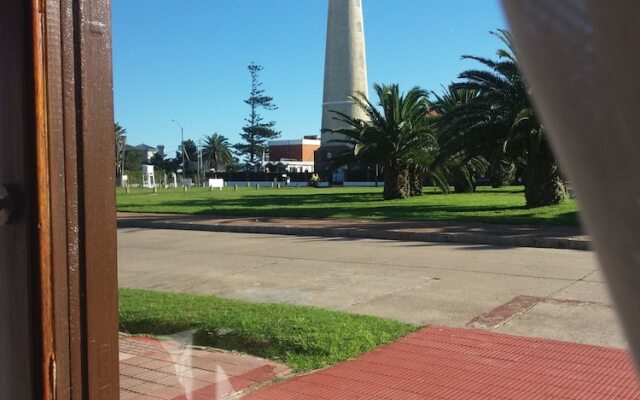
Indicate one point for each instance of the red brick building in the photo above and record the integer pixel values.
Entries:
(294, 155)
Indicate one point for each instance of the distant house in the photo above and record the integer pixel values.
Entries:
(146, 151)
(292, 155)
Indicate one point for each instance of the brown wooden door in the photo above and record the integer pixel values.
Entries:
(18, 261)
(58, 276)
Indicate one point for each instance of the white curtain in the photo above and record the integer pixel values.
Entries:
(582, 60)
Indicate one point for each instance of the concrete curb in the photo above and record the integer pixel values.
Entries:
(434, 237)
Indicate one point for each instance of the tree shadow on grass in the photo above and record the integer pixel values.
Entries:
(359, 205)
(294, 207)
(296, 204)
(480, 192)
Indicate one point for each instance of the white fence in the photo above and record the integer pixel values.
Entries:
(362, 184)
(299, 184)
(220, 183)
(265, 184)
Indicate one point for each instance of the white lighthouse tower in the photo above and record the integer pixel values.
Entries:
(345, 73)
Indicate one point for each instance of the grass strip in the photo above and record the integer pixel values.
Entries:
(305, 338)
(488, 205)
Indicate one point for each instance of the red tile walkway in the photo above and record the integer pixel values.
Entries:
(169, 370)
(466, 364)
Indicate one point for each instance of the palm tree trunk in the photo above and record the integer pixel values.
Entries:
(461, 187)
(415, 180)
(501, 174)
(463, 182)
(396, 182)
(544, 185)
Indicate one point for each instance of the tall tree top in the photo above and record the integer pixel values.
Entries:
(256, 132)
(257, 98)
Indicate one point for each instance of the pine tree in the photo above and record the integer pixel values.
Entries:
(257, 132)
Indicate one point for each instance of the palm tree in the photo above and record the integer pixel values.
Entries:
(461, 167)
(120, 143)
(502, 121)
(217, 150)
(391, 134)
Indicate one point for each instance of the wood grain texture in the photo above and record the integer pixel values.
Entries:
(96, 197)
(83, 233)
(47, 351)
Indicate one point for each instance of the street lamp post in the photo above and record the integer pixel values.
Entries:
(181, 148)
(200, 179)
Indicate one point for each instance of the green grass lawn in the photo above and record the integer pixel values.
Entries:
(505, 205)
(305, 338)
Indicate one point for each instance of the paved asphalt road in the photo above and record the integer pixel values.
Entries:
(556, 294)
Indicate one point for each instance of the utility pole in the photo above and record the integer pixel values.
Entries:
(121, 145)
(181, 148)
(377, 174)
(204, 171)
(200, 180)
(124, 146)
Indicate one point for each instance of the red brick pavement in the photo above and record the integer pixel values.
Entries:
(169, 370)
(466, 364)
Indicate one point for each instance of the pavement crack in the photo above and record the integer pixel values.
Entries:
(582, 279)
(540, 300)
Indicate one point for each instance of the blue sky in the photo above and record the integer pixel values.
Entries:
(186, 59)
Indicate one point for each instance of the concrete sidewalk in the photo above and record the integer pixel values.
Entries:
(552, 293)
(452, 364)
(417, 231)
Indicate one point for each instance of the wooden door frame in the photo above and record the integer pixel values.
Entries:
(64, 140)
